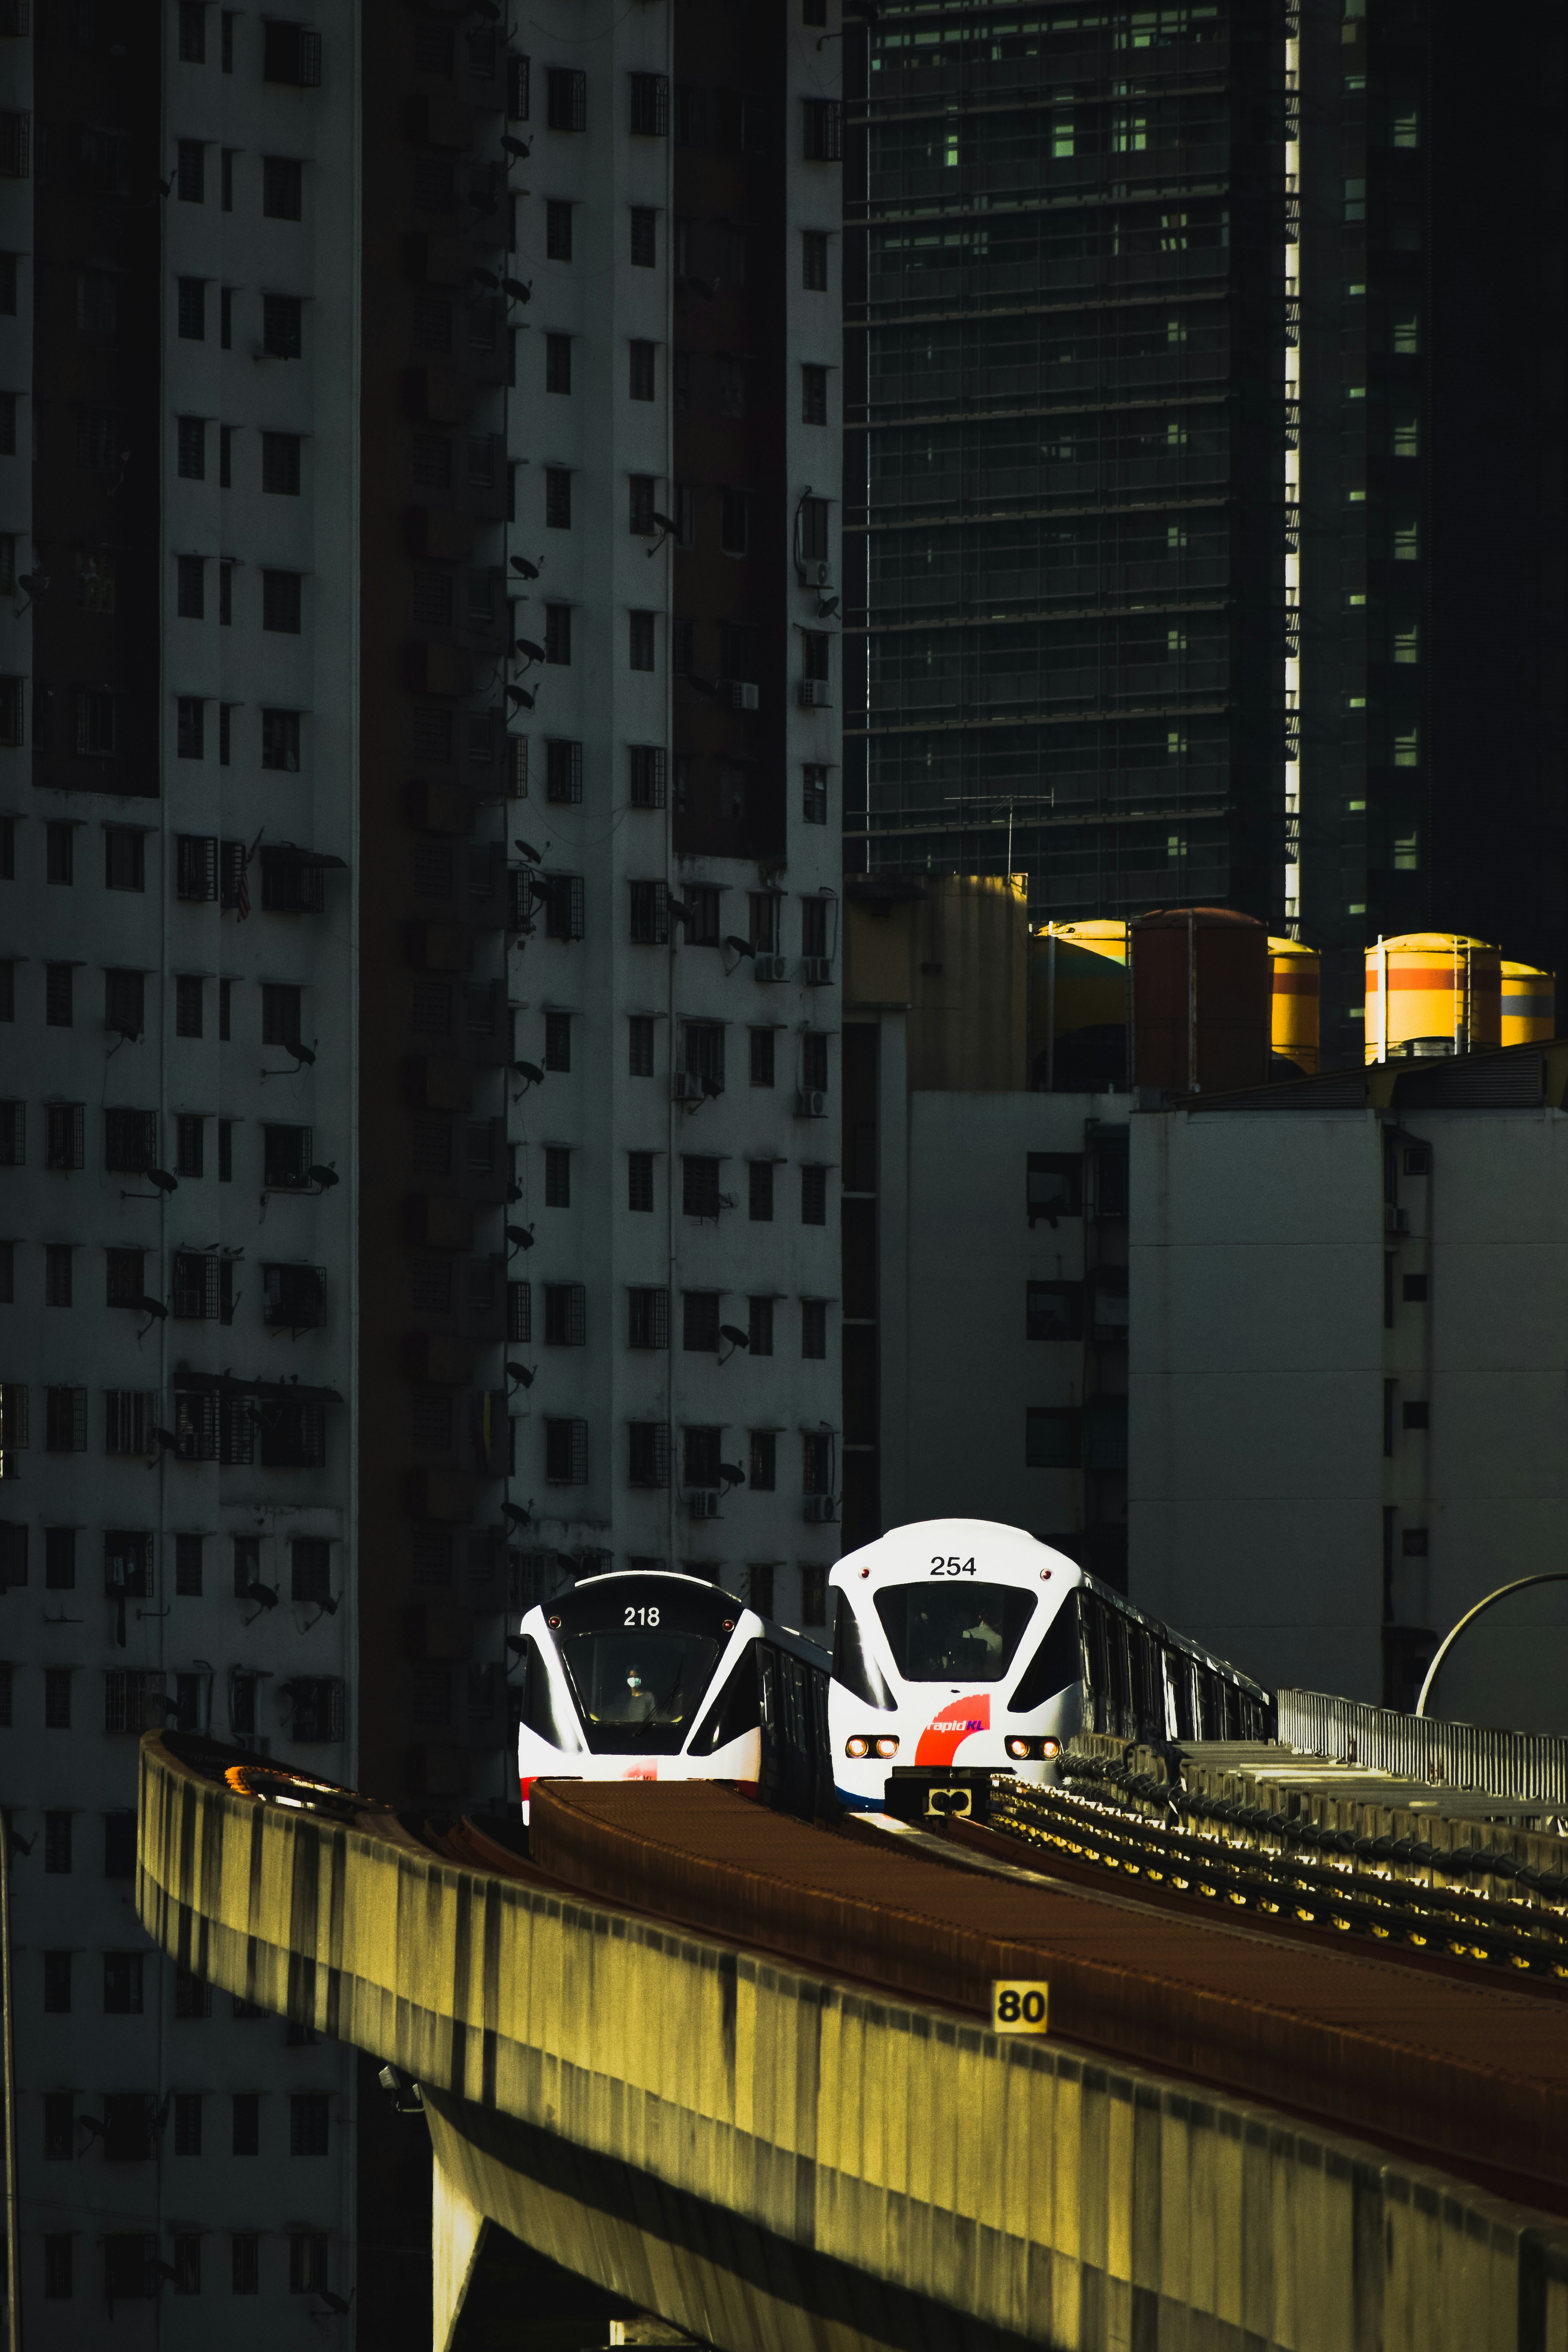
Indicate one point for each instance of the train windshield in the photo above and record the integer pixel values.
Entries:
(640, 1655)
(954, 1632)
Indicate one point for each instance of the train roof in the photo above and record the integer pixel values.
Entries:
(801, 1646)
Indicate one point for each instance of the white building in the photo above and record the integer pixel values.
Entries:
(1349, 1374)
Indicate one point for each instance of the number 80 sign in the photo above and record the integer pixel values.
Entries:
(1019, 2004)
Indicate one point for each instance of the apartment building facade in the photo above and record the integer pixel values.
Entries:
(179, 1062)
(419, 852)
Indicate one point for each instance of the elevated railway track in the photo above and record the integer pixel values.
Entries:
(741, 2068)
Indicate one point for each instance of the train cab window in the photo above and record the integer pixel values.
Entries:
(1055, 1185)
(1056, 1665)
(853, 1665)
(958, 1632)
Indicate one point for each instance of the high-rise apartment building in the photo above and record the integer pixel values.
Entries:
(1206, 452)
(419, 845)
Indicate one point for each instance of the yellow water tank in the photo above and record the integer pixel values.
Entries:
(1077, 977)
(1297, 974)
(1443, 990)
(1528, 1003)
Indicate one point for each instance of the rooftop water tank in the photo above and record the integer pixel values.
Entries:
(1443, 992)
(1297, 975)
(1201, 1000)
(1528, 1003)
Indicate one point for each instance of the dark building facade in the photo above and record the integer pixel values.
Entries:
(1065, 403)
(1203, 390)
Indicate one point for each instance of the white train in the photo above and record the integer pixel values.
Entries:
(643, 1675)
(959, 1642)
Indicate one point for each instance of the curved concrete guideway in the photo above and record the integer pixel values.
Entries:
(772, 2159)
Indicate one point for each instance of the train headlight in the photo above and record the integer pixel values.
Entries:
(1049, 1748)
(885, 1745)
(857, 1746)
(1019, 1749)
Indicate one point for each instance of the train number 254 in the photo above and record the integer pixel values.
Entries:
(952, 1566)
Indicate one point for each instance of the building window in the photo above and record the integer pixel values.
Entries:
(557, 1041)
(648, 1317)
(649, 916)
(190, 712)
(291, 54)
(641, 384)
(281, 601)
(280, 741)
(640, 1047)
(760, 1326)
(193, 33)
(557, 497)
(558, 635)
(649, 113)
(282, 187)
(813, 1327)
(282, 326)
(566, 98)
(563, 770)
(643, 251)
(700, 1194)
(823, 131)
(1415, 1414)
(122, 1984)
(58, 1700)
(565, 1315)
(700, 1322)
(57, 1984)
(191, 307)
(813, 1196)
(1052, 1310)
(192, 443)
(764, 1476)
(814, 1596)
(58, 1286)
(59, 1559)
(244, 2262)
(1051, 1437)
(812, 394)
(641, 640)
(639, 1180)
(565, 1453)
(700, 1452)
(65, 1131)
(646, 778)
(816, 1461)
(813, 805)
(58, 1844)
(60, 996)
(557, 363)
(190, 172)
(308, 2254)
(58, 2265)
(557, 1176)
(280, 464)
(648, 1453)
(65, 1420)
(814, 260)
(557, 229)
(760, 1187)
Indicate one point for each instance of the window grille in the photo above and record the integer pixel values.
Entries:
(294, 1433)
(823, 128)
(647, 788)
(65, 1420)
(319, 1717)
(127, 1564)
(700, 1321)
(129, 1416)
(649, 914)
(134, 1701)
(563, 770)
(813, 1327)
(517, 89)
(648, 1317)
(195, 865)
(760, 1326)
(816, 1461)
(650, 116)
(65, 1131)
(565, 1315)
(14, 1134)
(649, 1454)
(563, 914)
(567, 98)
(567, 1452)
(285, 1157)
(291, 54)
(294, 1297)
(700, 1194)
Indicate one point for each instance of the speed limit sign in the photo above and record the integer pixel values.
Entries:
(1019, 2004)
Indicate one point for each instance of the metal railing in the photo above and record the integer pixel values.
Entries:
(1520, 1764)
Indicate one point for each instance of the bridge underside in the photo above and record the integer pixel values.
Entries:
(773, 2159)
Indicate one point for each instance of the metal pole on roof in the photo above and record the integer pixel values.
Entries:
(1548, 1576)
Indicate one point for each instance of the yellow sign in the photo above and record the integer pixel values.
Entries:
(1019, 2004)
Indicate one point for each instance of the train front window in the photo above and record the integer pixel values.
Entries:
(954, 1632)
(638, 1680)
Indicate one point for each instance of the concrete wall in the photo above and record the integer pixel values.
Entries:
(1258, 1358)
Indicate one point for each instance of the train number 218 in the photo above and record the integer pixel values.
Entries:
(952, 1567)
(641, 1617)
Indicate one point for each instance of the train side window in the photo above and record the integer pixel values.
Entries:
(735, 1711)
(853, 1665)
(1120, 1686)
(1056, 1665)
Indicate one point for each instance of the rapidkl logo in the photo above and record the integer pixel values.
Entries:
(946, 1732)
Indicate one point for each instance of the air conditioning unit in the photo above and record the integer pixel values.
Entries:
(702, 1501)
(770, 967)
(738, 694)
(816, 970)
(810, 1102)
(822, 574)
(687, 1087)
(819, 1509)
(816, 694)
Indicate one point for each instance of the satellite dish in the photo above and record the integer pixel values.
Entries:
(162, 1182)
